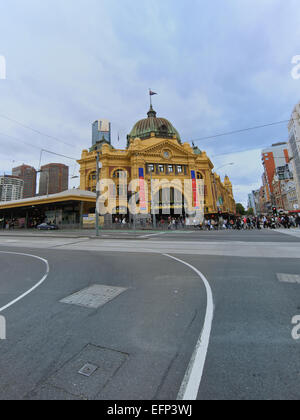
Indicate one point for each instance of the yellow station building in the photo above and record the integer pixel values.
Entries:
(155, 146)
(155, 150)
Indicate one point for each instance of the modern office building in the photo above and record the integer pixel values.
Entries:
(294, 146)
(101, 131)
(54, 178)
(253, 202)
(28, 175)
(11, 188)
(274, 157)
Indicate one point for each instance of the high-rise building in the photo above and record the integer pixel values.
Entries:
(276, 156)
(11, 188)
(294, 146)
(289, 195)
(28, 175)
(101, 131)
(253, 202)
(54, 178)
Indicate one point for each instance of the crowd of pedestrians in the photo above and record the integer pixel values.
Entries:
(251, 222)
(217, 222)
(7, 224)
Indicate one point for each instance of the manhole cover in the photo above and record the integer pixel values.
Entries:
(88, 370)
(288, 278)
(85, 375)
(94, 296)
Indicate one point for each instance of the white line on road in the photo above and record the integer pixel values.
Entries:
(191, 384)
(152, 234)
(34, 287)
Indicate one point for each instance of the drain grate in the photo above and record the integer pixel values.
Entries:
(288, 278)
(94, 297)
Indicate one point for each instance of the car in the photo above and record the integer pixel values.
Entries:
(47, 226)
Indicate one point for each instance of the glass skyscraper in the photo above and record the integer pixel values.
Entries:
(101, 131)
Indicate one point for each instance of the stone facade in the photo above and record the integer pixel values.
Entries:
(154, 145)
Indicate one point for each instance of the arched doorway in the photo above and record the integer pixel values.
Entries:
(169, 202)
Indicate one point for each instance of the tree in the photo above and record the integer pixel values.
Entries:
(240, 209)
(250, 212)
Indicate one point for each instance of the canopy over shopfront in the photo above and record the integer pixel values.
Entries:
(65, 209)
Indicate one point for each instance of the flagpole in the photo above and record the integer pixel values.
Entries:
(150, 98)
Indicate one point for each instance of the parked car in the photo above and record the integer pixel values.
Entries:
(47, 226)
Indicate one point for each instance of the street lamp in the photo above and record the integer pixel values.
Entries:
(99, 166)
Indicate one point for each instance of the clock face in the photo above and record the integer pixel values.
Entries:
(166, 155)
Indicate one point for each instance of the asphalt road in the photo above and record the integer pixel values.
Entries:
(143, 340)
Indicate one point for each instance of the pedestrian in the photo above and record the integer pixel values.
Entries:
(292, 221)
(258, 224)
(212, 224)
(265, 222)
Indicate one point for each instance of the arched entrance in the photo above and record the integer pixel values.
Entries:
(169, 202)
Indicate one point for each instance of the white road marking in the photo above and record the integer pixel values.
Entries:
(173, 246)
(152, 234)
(34, 287)
(191, 384)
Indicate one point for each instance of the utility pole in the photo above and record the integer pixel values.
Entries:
(48, 180)
(99, 166)
(47, 173)
(152, 205)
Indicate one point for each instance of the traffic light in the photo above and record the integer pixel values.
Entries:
(274, 211)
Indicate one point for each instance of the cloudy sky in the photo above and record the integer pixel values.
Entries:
(218, 66)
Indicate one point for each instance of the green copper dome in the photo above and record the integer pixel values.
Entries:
(161, 128)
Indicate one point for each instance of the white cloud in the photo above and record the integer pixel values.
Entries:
(216, 69)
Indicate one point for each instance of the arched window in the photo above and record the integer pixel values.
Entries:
(199, 175)
(119, 173)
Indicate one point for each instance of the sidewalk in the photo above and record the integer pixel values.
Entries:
(292, 232)
(78, 233)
